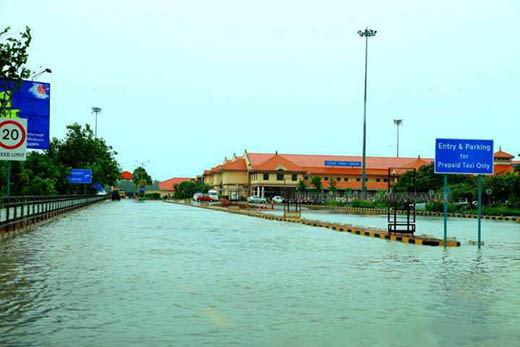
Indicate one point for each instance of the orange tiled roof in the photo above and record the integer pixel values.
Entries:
(169, 184)
(207, 172)
(127, 175)
(318, 161)
(276, 162)
(235, 165)
(503, 155)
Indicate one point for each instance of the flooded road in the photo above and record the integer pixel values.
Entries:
(161, 274)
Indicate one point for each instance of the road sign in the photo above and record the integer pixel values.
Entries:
(80, 176)
(31, 102)
(342, 163)
(457, 156)
(13, 139)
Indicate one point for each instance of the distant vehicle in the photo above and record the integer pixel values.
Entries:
(122, 194)
(278, 199)
(256, 200)
(213, 195)
(115, 195)
(196, 196)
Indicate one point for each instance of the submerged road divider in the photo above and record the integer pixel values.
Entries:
(357, 230)
(20, 213)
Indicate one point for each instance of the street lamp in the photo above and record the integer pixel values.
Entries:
(366, 34)
(398, 122)
(96, 110)
(38, 74)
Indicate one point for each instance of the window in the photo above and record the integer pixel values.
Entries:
(358, 179)
(294, 177)
(307, 178)
(378, 180)
(326, 178)
(338, 179)
(385, 180)
(345, 179)
(279, 177)
(266, 177)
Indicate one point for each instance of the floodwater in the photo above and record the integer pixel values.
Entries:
(158, 274)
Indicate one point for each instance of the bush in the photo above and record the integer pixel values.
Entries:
(152, 196)
(334, 203)
(363, 204)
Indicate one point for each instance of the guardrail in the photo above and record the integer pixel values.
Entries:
(16, 212)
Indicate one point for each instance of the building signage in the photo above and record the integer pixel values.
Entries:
(456, 156)
(31, 102)
(80, 176)
(13, 139)
(342, 163)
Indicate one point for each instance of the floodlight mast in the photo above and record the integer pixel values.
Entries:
(366, 34)
(96, 110)
(398, 123)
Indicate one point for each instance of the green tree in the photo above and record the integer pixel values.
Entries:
(302, 186)
(316, 182)
(45, 172)
(332, 184)
(185, 190)
(81, 150)
(13, 69)
(141, 177)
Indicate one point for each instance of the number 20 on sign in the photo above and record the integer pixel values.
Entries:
(13, 139)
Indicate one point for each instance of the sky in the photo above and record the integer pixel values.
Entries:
(183, 84)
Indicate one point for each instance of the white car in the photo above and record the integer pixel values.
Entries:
(278, 199)
(213, 195)
(256, 200)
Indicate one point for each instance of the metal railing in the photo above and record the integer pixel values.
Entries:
(20, 211)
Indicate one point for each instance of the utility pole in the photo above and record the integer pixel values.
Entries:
(96, 110)
(366, 34)
(398, 123)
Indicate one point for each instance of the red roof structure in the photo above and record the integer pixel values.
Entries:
(236, 165)
(503, 155)
(127, 175)
(169, 184)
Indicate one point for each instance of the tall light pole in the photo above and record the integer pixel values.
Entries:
(398, 123)
(366, 34)
(96, 110)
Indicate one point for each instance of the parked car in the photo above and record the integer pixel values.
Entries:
(196, 196)
(213, 195)
(256, 200)
(278, 199)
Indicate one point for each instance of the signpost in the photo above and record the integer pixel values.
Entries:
(13, 144)
(31, 102)
(470, 157)
(80, 176)
(342, 163)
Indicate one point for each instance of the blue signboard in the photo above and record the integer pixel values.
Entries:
(456, 156)
(342, 163)
(81, 176)
(32, 102)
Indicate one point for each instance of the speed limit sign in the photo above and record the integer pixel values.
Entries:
(13, 139)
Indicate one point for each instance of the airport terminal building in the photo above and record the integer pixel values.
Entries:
(269, 174)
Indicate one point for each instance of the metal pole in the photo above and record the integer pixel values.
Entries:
(8, 178)
(363, 177)
(479, 207)
(445, 211)
(398, 141)
(96, 127)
